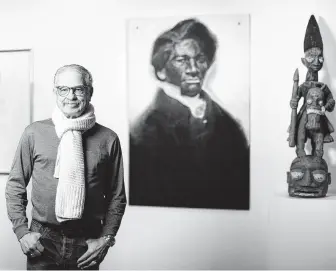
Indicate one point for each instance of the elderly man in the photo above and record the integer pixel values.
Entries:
(186, 151)
(76, 169)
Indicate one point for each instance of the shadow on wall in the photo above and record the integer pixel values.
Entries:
(329, 78)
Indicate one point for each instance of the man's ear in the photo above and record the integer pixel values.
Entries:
(161, 75)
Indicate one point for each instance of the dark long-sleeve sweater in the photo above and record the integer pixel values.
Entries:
(35, 160)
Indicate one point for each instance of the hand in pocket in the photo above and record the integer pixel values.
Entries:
(30, 244)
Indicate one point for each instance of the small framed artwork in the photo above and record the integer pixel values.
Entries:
(16, 92)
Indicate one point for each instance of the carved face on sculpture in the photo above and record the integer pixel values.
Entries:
(315, 101)
(308, 177)
(313, 59)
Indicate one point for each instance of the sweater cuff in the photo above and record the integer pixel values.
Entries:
(21, 230)
(107, 231)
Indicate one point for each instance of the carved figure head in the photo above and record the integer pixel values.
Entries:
(313, 46)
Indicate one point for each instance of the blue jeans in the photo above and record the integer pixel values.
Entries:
(62, 249)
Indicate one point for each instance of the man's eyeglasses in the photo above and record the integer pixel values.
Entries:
(78, 90)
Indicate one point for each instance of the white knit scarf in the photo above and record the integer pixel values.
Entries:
(69, 168)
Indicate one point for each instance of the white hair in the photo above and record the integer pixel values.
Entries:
(87, 77)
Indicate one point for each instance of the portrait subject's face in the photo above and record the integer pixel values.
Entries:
(187, 67)
(72, 96)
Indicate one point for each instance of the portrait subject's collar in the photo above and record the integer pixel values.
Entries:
(196, 105)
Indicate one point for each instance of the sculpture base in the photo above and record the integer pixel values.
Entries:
(308, 177)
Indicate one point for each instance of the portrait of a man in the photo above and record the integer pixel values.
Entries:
(186, 150)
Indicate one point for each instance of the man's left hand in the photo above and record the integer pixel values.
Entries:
(97, 249)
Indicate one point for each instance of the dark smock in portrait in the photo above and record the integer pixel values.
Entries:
(185, 150)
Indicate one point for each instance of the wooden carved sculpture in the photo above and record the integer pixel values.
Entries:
(308, 176)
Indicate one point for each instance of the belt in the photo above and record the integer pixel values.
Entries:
(75, 228)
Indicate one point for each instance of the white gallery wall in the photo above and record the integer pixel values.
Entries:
(278, 232)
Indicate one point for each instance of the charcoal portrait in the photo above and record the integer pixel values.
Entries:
(186, 148)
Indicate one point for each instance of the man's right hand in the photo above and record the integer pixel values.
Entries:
(31, 245)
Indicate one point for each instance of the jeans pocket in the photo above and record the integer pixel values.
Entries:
(80, 242)
(39, 228)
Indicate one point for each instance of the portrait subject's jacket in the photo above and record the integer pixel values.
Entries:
(181, 161)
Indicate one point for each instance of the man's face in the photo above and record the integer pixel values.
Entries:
(187, 67)
(314, 59)
(72, 105)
